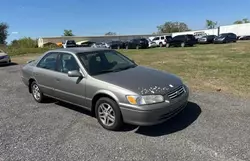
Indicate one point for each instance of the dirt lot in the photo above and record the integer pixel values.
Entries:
(214, 126)
(223, 67)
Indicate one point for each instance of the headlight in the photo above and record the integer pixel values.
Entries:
(144, 100)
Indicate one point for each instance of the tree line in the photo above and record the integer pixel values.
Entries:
(167, 27)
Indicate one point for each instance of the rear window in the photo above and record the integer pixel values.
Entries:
(71, 42)
(191, 37)
(180, 37)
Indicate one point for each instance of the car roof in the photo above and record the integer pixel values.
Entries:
(76, 50)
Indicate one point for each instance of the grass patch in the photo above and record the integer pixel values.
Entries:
(222, 67)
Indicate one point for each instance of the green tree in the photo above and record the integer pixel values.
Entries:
(68, 33)
(170, 27)
(3, 32)
(244, 20)
(210, 24)
(110, 33)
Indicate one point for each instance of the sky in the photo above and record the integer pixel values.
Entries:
(41, 18)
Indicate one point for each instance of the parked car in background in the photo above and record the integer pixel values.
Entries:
(225, 38)
(101, 81)
(140, 43)
(199, 35)
(116, 45)
(4, 58)
(100, 45)
(182, 40)
(161, 40)
(151, 44)
(69, 44)
(85, 43)
(244, 38)
(206, 39)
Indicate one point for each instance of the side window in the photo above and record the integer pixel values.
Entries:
(48, 61)
(68, 63)
(162, 38)
(156, 38)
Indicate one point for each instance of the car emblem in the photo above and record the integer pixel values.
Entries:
(170, 85)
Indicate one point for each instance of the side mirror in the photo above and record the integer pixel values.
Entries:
(74, 73)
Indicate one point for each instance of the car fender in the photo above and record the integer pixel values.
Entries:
(107, 92)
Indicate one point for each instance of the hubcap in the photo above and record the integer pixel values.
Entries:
(106, 114)
(36, 92)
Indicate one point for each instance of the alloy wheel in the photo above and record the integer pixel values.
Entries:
(106, 114)
(36, 92)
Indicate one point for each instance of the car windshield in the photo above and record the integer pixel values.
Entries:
(105, 61)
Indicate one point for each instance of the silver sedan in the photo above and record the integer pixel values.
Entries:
(109, 84)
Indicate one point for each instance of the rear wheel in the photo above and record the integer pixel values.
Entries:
(36, 92)
(108, 114)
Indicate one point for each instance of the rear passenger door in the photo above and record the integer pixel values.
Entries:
(45, 72)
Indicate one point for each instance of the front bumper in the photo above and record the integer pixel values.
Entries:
(155, 113)
(202, 42)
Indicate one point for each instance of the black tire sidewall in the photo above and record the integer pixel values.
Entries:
(118, 116)
(41, 94)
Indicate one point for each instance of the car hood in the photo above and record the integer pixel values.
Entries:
(3, 54)
(142, 80)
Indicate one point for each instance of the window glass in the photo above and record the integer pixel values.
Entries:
(68, 63)
(48, 61)
(178, 37)
(156, 38)
(104, 61)
(162, 38)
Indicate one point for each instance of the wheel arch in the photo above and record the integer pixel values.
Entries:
(30, 82)
(101, 94)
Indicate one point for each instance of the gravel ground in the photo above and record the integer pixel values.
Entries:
(212, 127)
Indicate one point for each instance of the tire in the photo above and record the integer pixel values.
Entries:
(183, 44)
(160, 44)
(101, 109)
(167, 45)
(35, 88)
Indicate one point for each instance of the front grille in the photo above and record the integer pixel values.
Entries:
(176, 93)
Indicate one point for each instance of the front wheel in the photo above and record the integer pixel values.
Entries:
(108, 114)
